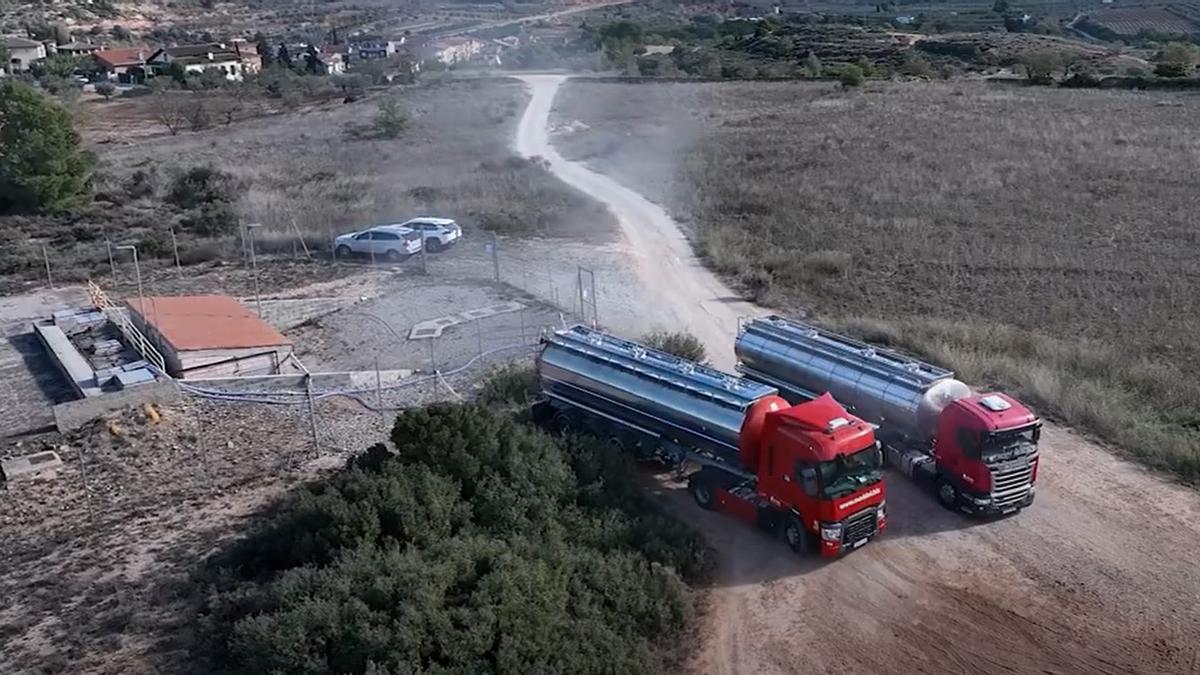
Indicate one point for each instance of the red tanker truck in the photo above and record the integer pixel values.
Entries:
(979, 452)
(811, 472)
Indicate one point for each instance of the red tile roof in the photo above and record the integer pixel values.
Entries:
(193, 322)
(126, 56)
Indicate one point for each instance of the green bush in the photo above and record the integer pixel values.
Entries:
(480, 546)
(851, 76)
(683, 345)
(202, 185)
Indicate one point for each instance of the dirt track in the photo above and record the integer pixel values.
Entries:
(1099, 576)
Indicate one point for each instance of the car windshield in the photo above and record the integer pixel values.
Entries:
(846, 473)
(1013, 441)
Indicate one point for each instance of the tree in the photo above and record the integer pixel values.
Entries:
(390, 119)
(683, 345)
(916, 65)
(1041, 64)
(284, 58)
(1177, 59)
(4, 57)
(41, 164)
(106, 89)
(864, 64)
(169, 109)
(265, 52)
(812, 66)
(59, 65)
(1000, 7)
(312, 61)
(851, 76)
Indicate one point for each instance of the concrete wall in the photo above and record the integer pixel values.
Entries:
(75, 414)
(201, 363)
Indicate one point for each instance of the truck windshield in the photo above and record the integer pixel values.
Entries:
(846, 473)
(1011, 443)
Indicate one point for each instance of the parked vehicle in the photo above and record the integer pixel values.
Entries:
(392, 242)
(811, 472)
(438, 233)
(978, 451)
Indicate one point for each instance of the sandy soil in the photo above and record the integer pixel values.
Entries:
(1097, 577)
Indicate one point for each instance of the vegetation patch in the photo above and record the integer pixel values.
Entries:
(480, 545)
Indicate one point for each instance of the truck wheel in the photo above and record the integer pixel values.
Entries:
(702, 491)
(563, 423)
(795, 535)
(947, 494)
(616, 444)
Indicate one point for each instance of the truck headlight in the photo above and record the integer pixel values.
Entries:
(982, 501)
(881, 514)
(831, 531)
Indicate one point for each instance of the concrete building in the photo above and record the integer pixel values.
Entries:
(210, 336)
(22, 53)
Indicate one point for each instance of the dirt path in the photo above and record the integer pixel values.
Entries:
(662, 256)
(1100, 576)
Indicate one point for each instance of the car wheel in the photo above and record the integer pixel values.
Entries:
(434, 245)
(795, 535)
(702, 491)
(393, 255)
(343, 251)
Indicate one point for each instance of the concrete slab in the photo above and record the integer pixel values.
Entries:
(433, 327)
(38, 465)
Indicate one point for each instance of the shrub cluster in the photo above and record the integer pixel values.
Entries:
(683, 345)
(482, 545)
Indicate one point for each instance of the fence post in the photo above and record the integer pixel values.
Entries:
(87, 493)
(312, 413)
(433, 368)
(479, 334)
(175, 246)
(111, 264)
(495, 257)
(379, 394)
(522, 313)
(46, 258)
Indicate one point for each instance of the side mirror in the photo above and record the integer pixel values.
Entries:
(878, 453)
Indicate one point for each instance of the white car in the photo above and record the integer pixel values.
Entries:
(438, 233)
(393, 242)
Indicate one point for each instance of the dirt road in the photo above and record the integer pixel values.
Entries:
(1099, 576)
(662, 257)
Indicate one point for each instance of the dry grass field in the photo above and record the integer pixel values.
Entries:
(453, 160)
(1038, 239)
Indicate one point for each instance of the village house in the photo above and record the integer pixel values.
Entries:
(126, 65)
(234, 61)
(22, 53)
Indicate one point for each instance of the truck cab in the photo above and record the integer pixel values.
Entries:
(986, 452)
(817, 477)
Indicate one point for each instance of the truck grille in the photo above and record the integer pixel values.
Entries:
(1011, 482)
(859, 526)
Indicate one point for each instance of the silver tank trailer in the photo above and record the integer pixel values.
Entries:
(902, 395)
(647, 390)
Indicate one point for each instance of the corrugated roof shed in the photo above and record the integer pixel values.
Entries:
(207, 322)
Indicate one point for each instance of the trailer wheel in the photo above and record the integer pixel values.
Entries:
(795, 535)
(616, 444)
(702, 491)
(947, 494)
(563, 423)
